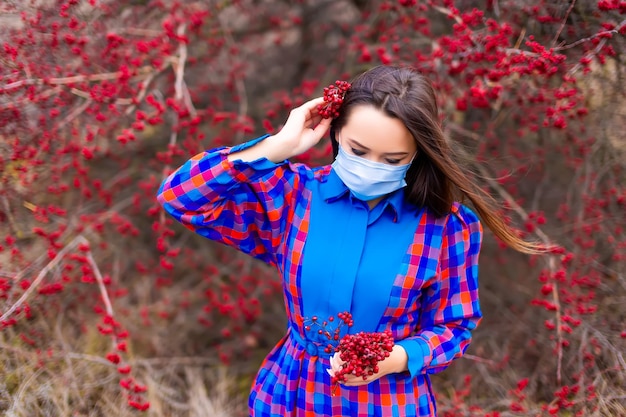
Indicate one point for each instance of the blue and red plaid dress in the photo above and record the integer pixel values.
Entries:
(395, 267)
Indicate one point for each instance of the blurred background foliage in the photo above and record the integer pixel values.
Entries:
(108, 306)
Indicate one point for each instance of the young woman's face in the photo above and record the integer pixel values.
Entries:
(371, 134)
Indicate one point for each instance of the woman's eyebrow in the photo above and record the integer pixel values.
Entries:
(358, 144)
(354, 142)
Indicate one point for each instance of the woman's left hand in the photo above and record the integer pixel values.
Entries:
(394, 363)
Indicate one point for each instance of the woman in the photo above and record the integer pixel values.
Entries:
(377, 233)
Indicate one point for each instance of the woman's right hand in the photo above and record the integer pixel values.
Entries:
(303, 129)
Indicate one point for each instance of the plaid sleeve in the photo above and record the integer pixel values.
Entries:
(450, 305)
(241, 204)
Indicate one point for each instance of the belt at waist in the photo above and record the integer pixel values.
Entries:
(312, 348)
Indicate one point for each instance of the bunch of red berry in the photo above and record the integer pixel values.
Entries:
(361, 353)
(323, 328)
(333, 98)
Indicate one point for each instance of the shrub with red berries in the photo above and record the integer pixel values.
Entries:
(100, 100)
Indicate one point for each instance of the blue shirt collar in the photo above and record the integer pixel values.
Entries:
(333, 189)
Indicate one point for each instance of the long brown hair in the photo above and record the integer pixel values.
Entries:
(434, 179)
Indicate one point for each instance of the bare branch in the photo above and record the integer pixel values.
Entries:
(142, 72)
(239, 84)
(559, 329)
(448, 13)
(53, 263)
(22, 100)
(480, 360)
(180, 64)
(74, 114)
(144, 89)
(614, 31)
(103, 290)
(558, 32)
(179, 67)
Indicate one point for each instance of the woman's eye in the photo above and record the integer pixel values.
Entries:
(393, 161)
(357, 152)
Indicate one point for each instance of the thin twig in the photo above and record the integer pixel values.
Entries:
(75, 79)
(103, 290)
(496, 8)
(77, 111)
(144, 89)
(180, 77)
(188, 101)
(448, 13)
(80, 93)
(17, 399)
(520, 38)
(480, 360)
(74, 114)
(141, 32)
(148, 362)
(558, 33)
(588, 56)
(175, 361)
(12, 223)
(147, 77)
(53, 263)
(613, 31)
(180, 64)
(239, 84)
(559, 330)
(70, 369)
(20, 101)
(521, 52)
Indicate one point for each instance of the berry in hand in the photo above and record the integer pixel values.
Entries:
(333, 99)
(362, 352)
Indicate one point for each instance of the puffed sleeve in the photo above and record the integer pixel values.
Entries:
(450, 304)
(245, 205)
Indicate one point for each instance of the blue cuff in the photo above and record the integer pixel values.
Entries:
(260, 164)
(416, 350)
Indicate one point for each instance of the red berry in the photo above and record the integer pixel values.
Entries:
(333, 99)
(361, 353)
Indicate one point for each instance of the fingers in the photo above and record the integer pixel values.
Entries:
(309, 108)
(306, 114)
(304, 127)
(335, 362)
(312, 104)
(351, 380)
(355, 382)
(322, 127)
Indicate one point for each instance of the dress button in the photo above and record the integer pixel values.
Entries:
(311, 349)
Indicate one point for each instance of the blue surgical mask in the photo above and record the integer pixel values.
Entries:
(367, 179)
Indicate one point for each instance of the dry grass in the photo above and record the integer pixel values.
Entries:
(67, 383)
